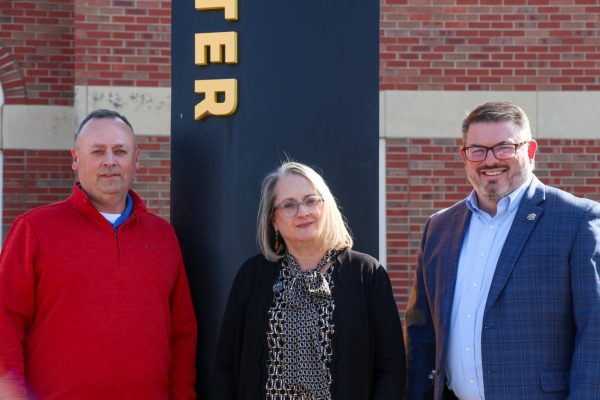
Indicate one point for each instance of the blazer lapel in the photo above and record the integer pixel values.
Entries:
(456, 235)
(525, 221)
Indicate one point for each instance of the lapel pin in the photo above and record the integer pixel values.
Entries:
(531, 217)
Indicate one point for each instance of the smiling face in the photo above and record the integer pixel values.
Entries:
(494, 179)
(105, 159)
(303, 230)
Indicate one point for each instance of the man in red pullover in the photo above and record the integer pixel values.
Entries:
(94, 299)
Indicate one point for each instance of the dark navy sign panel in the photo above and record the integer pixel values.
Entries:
(308, 91)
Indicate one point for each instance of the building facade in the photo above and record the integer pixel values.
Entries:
(60, 59)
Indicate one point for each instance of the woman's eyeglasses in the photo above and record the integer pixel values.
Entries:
(289, 208)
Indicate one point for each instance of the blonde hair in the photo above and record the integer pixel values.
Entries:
(335, 235)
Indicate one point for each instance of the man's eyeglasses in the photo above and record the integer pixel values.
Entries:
(289, 208)
(502, 151)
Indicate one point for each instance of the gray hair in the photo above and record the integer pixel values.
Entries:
(103, 114)
(335, 234)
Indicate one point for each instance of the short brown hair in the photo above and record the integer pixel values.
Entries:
(499, 111)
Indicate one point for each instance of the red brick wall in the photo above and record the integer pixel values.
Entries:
(153, 181)
(36, 177)
(13, 84)
(48, 46)
(33, 178)
(475, 45)
(490, 45)
(426, 175)
(36, 51)
(123, 43)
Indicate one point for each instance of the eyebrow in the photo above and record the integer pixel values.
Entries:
(102, 145)
(292, 198)
(494, 145)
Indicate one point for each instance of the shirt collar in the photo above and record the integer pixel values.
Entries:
(507, 203)
(126, 213)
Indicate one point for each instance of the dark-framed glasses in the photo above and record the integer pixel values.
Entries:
(502, 151)
(289, 208)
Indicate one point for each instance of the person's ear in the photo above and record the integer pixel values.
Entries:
(462, 155)
(137, 159)
(531, 149)
(75, 161)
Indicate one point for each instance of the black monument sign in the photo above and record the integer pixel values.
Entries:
(256, 83)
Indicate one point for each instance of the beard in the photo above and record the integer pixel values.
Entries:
(495, 189)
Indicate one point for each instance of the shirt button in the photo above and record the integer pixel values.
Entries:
(469, 316)
(474, 284)
(467, 348)
(471, 381)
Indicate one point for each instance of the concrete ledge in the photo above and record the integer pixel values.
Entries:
(402, 114)
(414, 114)
(37, 127)
(148, 109)
(569, 115)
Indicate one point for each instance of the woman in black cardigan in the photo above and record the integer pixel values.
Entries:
(309, 318)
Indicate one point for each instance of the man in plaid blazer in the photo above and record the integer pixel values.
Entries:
(506, 301)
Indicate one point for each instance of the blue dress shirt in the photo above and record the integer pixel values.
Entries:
(484, 240)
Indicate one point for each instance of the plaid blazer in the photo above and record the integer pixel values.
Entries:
(541, 325)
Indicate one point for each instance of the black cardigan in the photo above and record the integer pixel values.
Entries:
(368, 349)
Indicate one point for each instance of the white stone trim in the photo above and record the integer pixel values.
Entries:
(428, 114)
(147, 108)
(37, 127)
(564, 115)
(382, 204)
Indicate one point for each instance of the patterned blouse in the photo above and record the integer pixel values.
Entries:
(300, 331)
